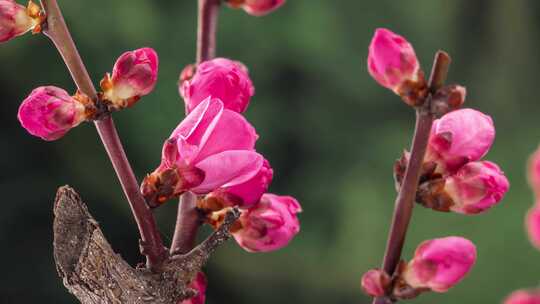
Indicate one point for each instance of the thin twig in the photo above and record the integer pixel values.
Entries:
(188, 221)
(58, 32)
(187, 224)
(206, 30)
(407, 193)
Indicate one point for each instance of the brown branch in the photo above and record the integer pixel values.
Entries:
(206, 30)
(407, 193)
(58, 32)
(95, 274)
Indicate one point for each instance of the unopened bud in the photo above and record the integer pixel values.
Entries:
(393, 64)
(134, 75)
(256, 7)
(50, 112)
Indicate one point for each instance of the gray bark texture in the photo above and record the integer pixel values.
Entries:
(95, 274)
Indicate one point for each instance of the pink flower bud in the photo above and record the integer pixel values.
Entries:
(134, 75)
(476, 187)
(534, 171)
(256, 7)
(199, 284)
(375, 282)
(439, 264)
(50, 112)
(247, 194)
(459, 137)
(16, 20)
(219, 78)
(211, 148)
(532, 223)
(269, 225)
(393, 64)
(523, 297)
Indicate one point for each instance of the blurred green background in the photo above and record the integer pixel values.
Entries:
(329, 131)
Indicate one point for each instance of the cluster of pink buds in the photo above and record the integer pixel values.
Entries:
(456, 179)
(50, 112)
(438, 265)
(256, 7)
(212, 154)
(16, 20)
(452, 175)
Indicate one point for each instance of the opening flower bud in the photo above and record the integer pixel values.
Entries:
(199, 284)
(246, 194)
(269, 225)
(459, 137)
(219, 78)
(476, 187)
(393, 64)
(375, 282)
(50, 112)
(134, 75)
(523, 297)
(440, 264)
(256, 7)
(16, 20)
(211, 148)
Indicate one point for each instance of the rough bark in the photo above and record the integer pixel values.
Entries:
(94, 273)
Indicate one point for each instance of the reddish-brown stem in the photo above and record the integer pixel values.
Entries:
(206, 30)
(407, 193)
(188, 221)
(187, 224)
(58, 32)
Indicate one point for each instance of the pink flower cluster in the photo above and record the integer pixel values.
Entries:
(50, 112)
(465, 183)
(438, 265)
(212, 153)
(256, 7)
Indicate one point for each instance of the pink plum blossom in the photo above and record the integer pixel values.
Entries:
(532, 223)
(476, 187)
(247, 194)
(50, 112)
(269, 225)
(257, 7)
(523, 297)
(534, 171)
(199, 284)
(16, 20)
(134, 75)
(211, 148)
(393, 64)
(439, 264)
(459, 137)
(219, 78)
(374, 282)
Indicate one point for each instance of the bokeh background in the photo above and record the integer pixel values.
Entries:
(329, 131)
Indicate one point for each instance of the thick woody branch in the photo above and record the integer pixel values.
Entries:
(206, 30)
(94, 273)
(407, 193)
(56, 29)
